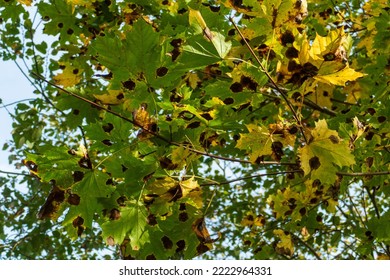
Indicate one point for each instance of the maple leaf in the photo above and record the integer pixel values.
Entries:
(68, 77)
(192, 190)
(324, 150)
(25, 2)
(340, 77)
(286, 245)
(92, 187)
(258, 141)
(132, 223)
(112, 97)
(262, 141)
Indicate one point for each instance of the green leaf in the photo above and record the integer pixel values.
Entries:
(132, 223)
(324, 150)
(92, 187)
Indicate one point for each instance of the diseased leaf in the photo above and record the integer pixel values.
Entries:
(90, 189)
(340, 77)
(70, 76)
(132, 224)
(324, 152)
(285, 246)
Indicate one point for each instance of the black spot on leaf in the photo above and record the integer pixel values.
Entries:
(277, 150)
(182, 207)
(124, 168)
(77, 176)
(75, 71)
(371, 111)
(76, 112)
(288, 212)
(52, 203)
(151, 257)
(334, 139)
(292, 52)
(181, 244)
(121, 201)
(183, 216)
(162, 71)
(369, 161)
(176, 43)
(228, 101)
(381, 119)
(120, 96)
(79, 221)
(193, 125)
(287, 38)
(73, 199)
(151, 220)
(329, 57)
(129, 84)
(115, 214)
(236, 87)
(293, 129)
(314, 163)
(302, 211)
(167, 243)
(166, 163)
(202, 248)
(176, 193)
(107, 142)
(207, 116)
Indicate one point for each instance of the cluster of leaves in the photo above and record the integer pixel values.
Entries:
(153, 120)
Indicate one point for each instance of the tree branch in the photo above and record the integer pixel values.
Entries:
(249, 177)
(15, 173)
(363, 173)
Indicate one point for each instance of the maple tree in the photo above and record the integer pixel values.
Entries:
(167, 129)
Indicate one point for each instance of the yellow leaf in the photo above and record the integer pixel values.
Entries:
(286, 245)
(85, 3)
(161, 186)
(25, 2)
(112, 97)
(251, 220)
(258, 141)
(320, 94)
(329, 44)
(196, 21)
(339, 78)
(331, 205)
(179, 156)
(191, 189)
(70, 76)
(383, 257)
(141, 116)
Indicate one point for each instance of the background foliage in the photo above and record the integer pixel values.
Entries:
(169, 129)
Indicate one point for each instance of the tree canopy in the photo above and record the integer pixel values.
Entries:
(166, 129)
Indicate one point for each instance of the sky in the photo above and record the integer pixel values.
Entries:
(13, 87)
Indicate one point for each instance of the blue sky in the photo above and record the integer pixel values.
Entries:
(13, 87)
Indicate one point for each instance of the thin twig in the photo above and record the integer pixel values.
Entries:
(363, 173)
(249, 177)
(310, 248)
(15, 173)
